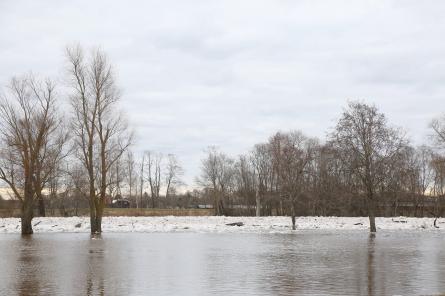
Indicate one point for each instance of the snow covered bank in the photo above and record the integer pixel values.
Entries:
(218, 224)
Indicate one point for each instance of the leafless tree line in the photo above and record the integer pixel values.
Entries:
(365, 167)
(155, 178)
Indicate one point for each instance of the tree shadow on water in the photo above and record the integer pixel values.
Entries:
(95, 284)
(371, 264)
(29, 269)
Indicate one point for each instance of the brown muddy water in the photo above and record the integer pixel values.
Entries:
(302, 263)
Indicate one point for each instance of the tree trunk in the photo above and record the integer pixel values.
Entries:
(371, 214)
(27, 215)
(93, 225)
(99, 222)
(96, 220)
(41, 206)
(293, 215)
(258, 204)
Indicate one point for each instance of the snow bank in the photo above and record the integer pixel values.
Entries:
(215, 224)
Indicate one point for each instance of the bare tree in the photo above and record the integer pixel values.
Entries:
(173, 175)
(295, 153)
(100, 133)
(369, 147)
(217, 175)
(141, 177)
(131, 174)
(414, 173)
(209, 177)
(154, 164)
(262, 163)
(32, 141)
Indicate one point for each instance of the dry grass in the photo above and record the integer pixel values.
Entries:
(113, 212)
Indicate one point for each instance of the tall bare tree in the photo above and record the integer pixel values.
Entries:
(131, 174)
(245, 183)
(141, 178)
(295, 153)
(262, 163)
(100, 133)
(173, 175)
(32, 140)
(368, 148)
(154, 165)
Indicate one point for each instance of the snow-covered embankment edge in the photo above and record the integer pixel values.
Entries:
(213, 224)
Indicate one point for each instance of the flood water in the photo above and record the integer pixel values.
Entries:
(308, 262)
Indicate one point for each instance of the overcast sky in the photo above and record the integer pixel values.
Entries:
(231, 73)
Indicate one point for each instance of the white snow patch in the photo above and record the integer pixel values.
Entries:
(217, 224)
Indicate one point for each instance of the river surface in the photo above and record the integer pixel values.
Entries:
(301, 263)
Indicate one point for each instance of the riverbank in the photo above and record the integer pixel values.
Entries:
(216, 224)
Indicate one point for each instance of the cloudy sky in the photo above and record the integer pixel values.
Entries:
(231, 73)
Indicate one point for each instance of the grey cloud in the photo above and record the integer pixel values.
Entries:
(230, 73)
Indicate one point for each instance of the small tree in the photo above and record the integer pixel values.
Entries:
(368, 147)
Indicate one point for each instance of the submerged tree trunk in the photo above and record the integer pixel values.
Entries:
(96, 214)
(98, 222)
(93, 217)
(293, 215)
(371, 213)
(27, 215)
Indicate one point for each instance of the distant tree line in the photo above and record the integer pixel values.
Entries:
(50, 160)
(365, 167)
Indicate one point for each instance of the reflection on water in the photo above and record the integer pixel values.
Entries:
(370, 264)
(28, 264)
(309, 262)
(95, 262)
